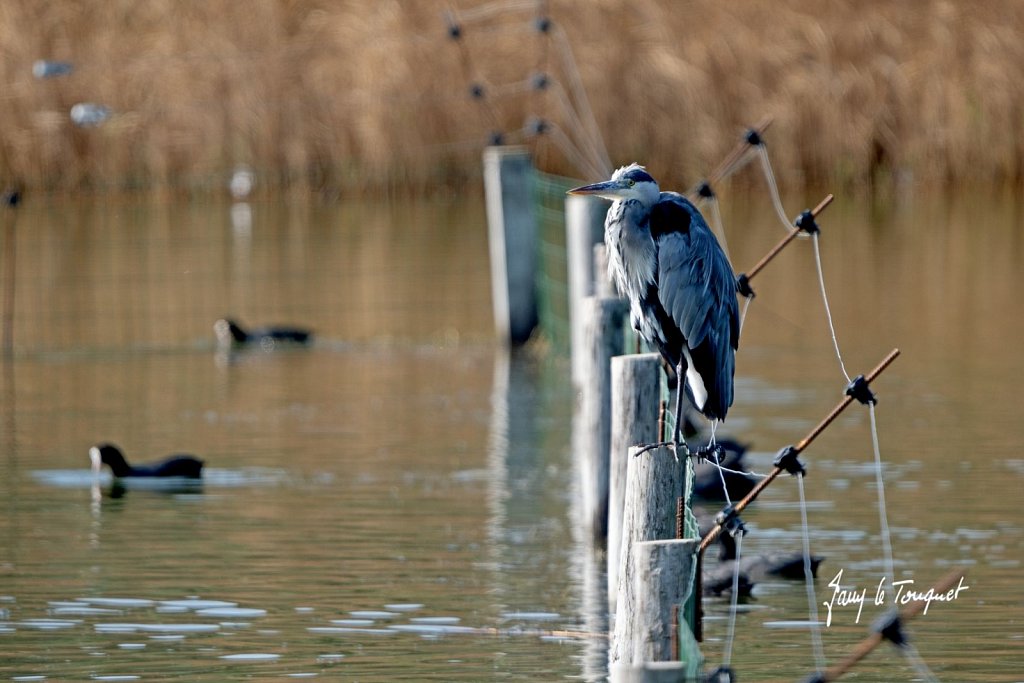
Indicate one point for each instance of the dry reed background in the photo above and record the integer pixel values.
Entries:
(369, 95)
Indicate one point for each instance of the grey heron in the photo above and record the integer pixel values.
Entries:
(680, 286)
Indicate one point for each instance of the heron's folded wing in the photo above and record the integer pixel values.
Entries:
(695, 281)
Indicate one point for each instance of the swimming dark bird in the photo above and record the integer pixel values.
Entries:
(717, 581)
(179, 465)
(754, 567)
(761, 566)
(679, 283)
(231, 335)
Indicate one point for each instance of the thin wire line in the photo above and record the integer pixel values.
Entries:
(883, 518)
(743, 313)
(828, 311)
(565, 143)
(716, 220)
(575, 123)
(579, 93)
(510, 88)
(487, 10)
(736, 164)
(812, 604)
(914, 657)
(773, 187)
(717, 463)
(749, 474)
(731, 633)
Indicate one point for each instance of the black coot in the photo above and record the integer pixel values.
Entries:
(231, 335)
(184, 466)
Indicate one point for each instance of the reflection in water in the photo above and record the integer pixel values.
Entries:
(8, 217)
(590, 563)
(523, 475)
(403, 473)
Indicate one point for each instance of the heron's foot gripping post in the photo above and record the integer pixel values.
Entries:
(712, 453)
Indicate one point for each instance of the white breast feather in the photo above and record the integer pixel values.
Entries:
(631, 261)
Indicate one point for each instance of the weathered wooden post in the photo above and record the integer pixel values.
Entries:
(635, 387)
(654, 483)
(603, 285)
(512, 234)
(584, 227)
(603, 331)
(662, 579)
(648, 672)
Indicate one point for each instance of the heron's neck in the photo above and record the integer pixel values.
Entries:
(631, 252)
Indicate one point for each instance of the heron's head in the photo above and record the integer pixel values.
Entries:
(629, 182)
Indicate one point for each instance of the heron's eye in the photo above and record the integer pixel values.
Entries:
(632, 183)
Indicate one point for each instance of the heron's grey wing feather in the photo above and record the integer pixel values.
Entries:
(695, 279)
(682, 284)
(697, 289)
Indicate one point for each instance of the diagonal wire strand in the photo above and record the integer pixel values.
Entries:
(579, 94)
(908, 650)
(883, 518)
(716, 222)
(773, 186)
(490, 9)
(743, 313)
(812, 603)
(734, 601)
(828, 310)
(575, 155)
(576, 124)
(914, 657)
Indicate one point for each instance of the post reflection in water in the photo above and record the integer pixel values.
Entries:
(590, 568)
(403, 461)
(530, 492)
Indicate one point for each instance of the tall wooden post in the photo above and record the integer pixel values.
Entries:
(654, 482)
(603, 285)
(635, 387)
(584, 227)
(603, 321)
(662, 577)
(512, 234)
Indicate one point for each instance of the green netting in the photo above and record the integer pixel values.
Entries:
(689, 648)
(552, 273)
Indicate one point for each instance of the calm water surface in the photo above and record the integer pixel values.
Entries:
(396, 502)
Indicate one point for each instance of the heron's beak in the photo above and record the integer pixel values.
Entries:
(609, 189)
(97, 461)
